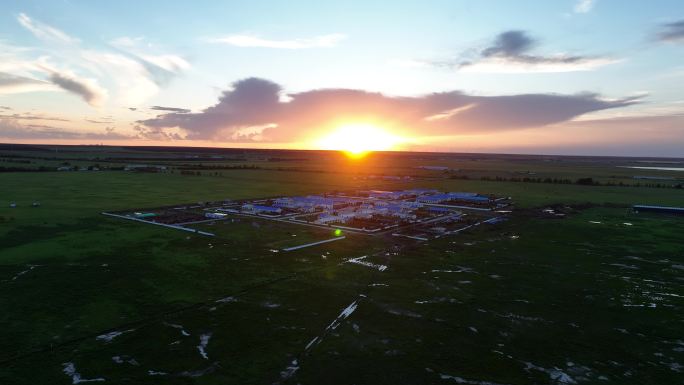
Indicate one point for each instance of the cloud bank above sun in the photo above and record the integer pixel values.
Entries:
(255, 109)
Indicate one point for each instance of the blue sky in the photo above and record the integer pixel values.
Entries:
(82, 62)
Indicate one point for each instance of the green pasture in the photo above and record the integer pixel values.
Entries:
(596, 296)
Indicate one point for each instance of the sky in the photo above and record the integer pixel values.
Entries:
(576, 77)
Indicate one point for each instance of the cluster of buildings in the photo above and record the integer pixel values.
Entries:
(403, 210)
(403, 194)
(453, 196)
(307, 204)
(313, 203)
(260, 209)
(403, 205)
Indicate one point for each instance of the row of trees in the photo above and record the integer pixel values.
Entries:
(14, 160)
(26, 169)
(217, 167)
(579, 181)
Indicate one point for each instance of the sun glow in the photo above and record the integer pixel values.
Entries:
(357, 140)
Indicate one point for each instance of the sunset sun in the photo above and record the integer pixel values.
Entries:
(356, 140)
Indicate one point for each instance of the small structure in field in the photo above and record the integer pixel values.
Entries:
(212, 215)
(145, 168)
(435, 168)
(659, 209)
(140, 215)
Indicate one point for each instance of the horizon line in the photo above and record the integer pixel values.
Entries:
(339, 151)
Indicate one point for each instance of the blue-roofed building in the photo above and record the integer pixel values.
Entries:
(284, 202)
(659, 209)
(476, 199)
(422, 191)
(461, 195)
(445, 197)
(312, 202)
(267, 209)
(436, 198)
(389, 194)
(261, 209)
(380, 194)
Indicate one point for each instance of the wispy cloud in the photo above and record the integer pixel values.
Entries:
(410, 63)
(134, 84)
(671, 32)
(10, 84)
(160, 66)
(584, 6)
(103, 120)
(15, 129)
(44, 31)
(33, 116)
(56, 78)
(510, 53)
(255, 41)
(170, 109)
(132, 68)
(87, 88)
(550, 64)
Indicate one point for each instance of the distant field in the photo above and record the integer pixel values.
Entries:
(475, 166)
(596, 296)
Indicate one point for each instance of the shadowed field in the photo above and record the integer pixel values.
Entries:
(593, 297)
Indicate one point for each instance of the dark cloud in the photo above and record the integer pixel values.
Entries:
(251, 102)
(104, 121)
(672, 32)
(6, 108)
(170, 109)
(510, 50)
(10, 83)
(253, 109)
(510, 43)
(87, 89)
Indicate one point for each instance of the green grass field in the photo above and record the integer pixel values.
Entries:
(596, 297)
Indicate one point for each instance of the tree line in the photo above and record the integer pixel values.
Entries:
(580, 181)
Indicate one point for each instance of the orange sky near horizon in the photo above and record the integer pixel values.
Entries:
(346, 138)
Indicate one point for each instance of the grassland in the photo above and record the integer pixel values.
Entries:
(594, 297)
